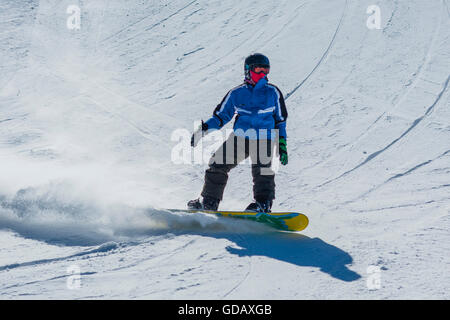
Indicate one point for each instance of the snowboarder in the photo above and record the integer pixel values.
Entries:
(260, 111)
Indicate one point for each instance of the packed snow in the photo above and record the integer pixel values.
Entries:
(95, 94)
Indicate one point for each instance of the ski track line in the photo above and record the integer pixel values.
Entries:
(27, 38)
(397, 176)
(109, 246)
(143, 132)
(243, 42)
(99, 27)
(125, 101)
(341, 84)
(377, 153)
(323, 56)
(262, 33)
(120, 42)
(414, 83)
(295, 16)
(252, 38)
(178, 249)
(416, 79)
(249, 271)
(401, 206)
(147, 28)
(147, 258)
(109, 92)
(448, 10)
(394, 12)
(20, 285)
(106, 247)
(157, 50)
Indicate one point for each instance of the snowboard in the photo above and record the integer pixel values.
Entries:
(287, 221)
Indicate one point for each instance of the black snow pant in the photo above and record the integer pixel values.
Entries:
(233, 151)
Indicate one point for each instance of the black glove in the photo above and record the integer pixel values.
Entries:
(198, 134)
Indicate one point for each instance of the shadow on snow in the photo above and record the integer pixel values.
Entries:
(296, 249)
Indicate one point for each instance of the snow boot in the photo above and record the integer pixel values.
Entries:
(260, 206)
(206, 204)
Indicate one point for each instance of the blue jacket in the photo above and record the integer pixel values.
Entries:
(256, 107)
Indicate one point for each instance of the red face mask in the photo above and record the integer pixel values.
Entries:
(257, 76)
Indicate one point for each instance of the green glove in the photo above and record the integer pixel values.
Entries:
(283, 151)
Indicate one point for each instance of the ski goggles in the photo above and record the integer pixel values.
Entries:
(259, 69)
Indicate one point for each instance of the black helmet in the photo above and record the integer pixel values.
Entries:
(256, 60)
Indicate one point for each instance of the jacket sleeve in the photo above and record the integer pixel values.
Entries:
(281, 114)
(223, 113)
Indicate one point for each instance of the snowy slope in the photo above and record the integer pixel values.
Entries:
(87, 117)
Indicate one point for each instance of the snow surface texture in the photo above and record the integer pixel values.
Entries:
(86, 118)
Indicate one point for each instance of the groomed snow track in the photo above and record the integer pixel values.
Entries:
(87, 116)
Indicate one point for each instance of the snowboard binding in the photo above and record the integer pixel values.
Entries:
(260, 206)
(205, 204)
